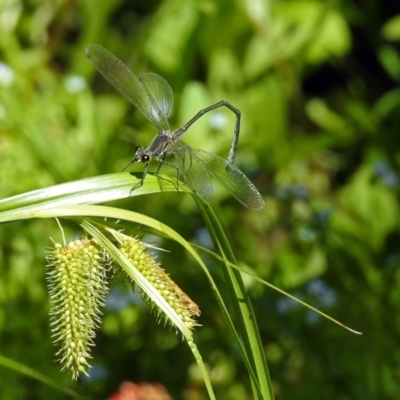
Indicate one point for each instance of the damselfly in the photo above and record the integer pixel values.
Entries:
(153, 96)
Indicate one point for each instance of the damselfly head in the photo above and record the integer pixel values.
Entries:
(141, 155)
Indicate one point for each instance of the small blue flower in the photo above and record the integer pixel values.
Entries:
(388, 176)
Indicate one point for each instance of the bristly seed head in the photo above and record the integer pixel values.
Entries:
(77, 283)
(78, 274)
(135, 251)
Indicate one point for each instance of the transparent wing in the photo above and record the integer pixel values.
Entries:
(124, 80)
(229, 176)
(159, 91)
(191, 171)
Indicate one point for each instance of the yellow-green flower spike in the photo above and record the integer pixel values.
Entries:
(184, 307)
(77, 282)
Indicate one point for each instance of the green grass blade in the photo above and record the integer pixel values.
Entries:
(93, 190)
(247, 322)
(23, 369)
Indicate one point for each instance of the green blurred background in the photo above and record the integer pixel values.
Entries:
(318, 86)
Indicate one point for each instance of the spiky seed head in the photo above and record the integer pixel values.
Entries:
(136, 252)
(77, 283)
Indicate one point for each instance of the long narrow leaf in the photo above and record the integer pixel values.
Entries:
(244, 312)
(93, 190)
(23, 369)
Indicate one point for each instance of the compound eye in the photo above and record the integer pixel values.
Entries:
(145, 158)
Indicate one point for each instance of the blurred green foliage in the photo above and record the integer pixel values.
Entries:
(318, 86)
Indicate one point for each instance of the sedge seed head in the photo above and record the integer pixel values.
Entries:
(185, 308)
(77, 284)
